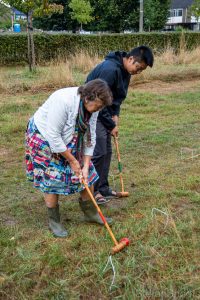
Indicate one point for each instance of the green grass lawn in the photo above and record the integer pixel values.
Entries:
(161, 216)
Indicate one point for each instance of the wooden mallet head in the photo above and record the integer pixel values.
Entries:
(123, 194)
(121, 245)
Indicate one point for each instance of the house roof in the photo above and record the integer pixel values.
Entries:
(181, 3)
(17, 12)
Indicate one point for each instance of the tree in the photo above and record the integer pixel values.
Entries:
(5, 17)
(155, 14)
(195, 9)
(33, 8)
(57, 21)
(81, 11)
(115, 15)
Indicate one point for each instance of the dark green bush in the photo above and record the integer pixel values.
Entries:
(13, 47)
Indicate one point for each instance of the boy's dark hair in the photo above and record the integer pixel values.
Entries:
(142, 53)
(96, 88)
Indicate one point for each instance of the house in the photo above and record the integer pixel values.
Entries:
(18, 15)
(180, 15)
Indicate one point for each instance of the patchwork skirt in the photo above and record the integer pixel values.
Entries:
(51, 173)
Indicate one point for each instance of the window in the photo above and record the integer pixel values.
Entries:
(180, 12)
(177, 13)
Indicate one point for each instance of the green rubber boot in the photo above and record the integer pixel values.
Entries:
(54, 222)
(91, 214)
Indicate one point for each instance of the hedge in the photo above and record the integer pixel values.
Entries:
(13, 47)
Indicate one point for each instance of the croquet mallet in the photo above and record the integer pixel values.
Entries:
(123, 193)
(118, 245)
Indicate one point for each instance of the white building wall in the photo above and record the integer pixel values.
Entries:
(175, 20)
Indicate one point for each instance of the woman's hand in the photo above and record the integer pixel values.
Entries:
(85, 173)
(73, 162)
(75, 166)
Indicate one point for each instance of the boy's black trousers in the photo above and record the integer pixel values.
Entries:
(102, 158)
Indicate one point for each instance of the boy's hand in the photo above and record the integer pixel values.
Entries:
(114, 132)
(115, 119)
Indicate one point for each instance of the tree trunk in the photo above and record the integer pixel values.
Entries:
(45, 4)
(141, 21)
(31, 48)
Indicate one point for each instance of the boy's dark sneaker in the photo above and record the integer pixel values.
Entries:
(111, 194)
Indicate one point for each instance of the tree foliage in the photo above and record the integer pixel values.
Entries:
(195, 9)
(99, 15)
(38, 7)
(156, 13)
(115, 15)
(81, 11)
(57, 21)
(5, 17)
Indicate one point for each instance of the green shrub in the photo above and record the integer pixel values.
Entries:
(13, 47)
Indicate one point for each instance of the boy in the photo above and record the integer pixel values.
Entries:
(116, 70)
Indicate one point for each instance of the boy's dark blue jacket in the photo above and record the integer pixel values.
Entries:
(112, 71)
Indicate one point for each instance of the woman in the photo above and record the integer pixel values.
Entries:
(60, 140)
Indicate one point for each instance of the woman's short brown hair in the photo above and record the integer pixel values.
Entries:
(94, 89)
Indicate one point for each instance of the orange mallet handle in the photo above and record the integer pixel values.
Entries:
(119, 163)
(123, 193)
(118, 246)
(100, 212)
